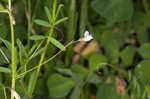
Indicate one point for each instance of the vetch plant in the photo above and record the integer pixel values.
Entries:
(13, 50)
(36, 61)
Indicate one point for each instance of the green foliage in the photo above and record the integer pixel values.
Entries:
(42, 23)
(79, 72)
(93, 78)
(48, 14)
(114, 10)
(127, 56)
(96, 61)
(108, 91)
(111, 46)
(36, 37)
(144, 50)
(41, 56)
(142, 71)
(5, 70)
(59, 86)
(57, 43)
(76, 93)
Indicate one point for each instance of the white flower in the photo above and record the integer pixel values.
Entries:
(87, 37)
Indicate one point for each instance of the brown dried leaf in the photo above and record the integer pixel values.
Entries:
(93, 97)
(76, 59)
(120, 86)
(93, 46)
(116, 30)
(108, 80)
(15, 94)
(78, 47)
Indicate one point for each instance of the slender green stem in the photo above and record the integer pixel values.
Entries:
(44, 52)
(22, 74)
(13, 53)
(28, 60)
(12, 50)
(71, 29)
(30, 22)
(30, 18)
(54, 11)
(5, 95)
(146, 8)
(9, 4)
(83, 17)
(4, 55)
(35, 10)
(39, 66)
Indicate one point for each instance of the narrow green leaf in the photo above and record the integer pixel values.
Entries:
(7, 43)
(31, 81)
(57, 44)
(5, 56)
(38, 52)
(64, 71)
(48, 13)
(42, 23)
(22, 51)
(5, 70)
(60, 6)
(32, 49)
(61, 20)
(37, 37)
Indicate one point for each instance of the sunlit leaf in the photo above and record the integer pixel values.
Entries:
(42, 23)
(48, 13)
(61, 20)
(59, 8)
(57, 43)
(37, 37)
(5, 70)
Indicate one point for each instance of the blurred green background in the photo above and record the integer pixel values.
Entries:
(114, 65)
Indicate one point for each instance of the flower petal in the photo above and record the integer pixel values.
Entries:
(86, 33)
